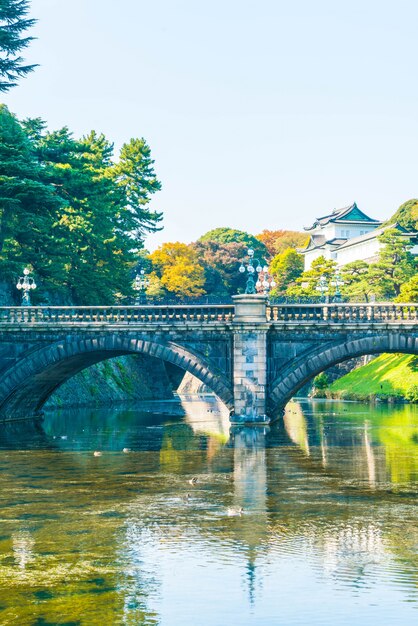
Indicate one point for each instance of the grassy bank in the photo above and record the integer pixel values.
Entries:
(387, 376)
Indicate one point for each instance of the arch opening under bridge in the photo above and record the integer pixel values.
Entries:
(30, 382)
(309, 364)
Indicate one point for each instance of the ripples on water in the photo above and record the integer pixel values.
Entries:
(328, 534)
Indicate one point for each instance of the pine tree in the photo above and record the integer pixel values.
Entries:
(308, 283)
(13, 23)
(136, 179)
(396, 264)
(28, 204)
(65, 212)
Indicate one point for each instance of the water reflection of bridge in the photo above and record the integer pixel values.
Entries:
(307, 488)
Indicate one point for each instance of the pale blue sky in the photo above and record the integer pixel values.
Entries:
(260, 114)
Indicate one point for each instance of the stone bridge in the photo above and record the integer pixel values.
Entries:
(252, 355)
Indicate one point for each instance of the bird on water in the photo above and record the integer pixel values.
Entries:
(235, 511)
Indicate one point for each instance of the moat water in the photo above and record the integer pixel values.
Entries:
(328, 534)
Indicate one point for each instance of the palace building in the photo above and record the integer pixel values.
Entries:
(346, 235)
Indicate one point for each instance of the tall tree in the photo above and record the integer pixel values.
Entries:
(221, 262)
(231, 235)
(29, 204)
(65, 211)
(13, 24)
(135, 176)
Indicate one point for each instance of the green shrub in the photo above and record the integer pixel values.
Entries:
(321, 381)
(412, 394)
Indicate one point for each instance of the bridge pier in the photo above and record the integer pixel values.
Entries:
(250, 358)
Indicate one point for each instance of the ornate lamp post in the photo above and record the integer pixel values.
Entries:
(323, 287)
(337, 283)
(251, 285)
(141, 282)
(25, 284)
(265, 282)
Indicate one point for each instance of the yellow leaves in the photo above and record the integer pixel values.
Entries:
(179, 268)
(74, 222)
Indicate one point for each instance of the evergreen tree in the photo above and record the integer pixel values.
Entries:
(28, 204)
(395, 266)
(307, 285)
(135, 176)
(357, 284)
(406, 216)
(409, 291)
(13, 24)
(230, 235)
(65, 212)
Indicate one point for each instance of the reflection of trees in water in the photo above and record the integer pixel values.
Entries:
(121, 512)
(371, 459)
(371, 446)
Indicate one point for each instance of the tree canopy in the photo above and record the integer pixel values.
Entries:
(406, 216)
(13, 24)
(72, 213)
(286, 268)
(409, 291)
(177, 268)
(277, 241)
(395, 266)
(307, 285)
(221, 262)
(231, 235)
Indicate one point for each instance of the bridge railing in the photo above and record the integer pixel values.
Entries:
(277, 313)
(343, 313)
(116, 314)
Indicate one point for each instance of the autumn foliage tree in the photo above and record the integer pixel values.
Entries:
(221, 262)
(178, 269)
(277, 241)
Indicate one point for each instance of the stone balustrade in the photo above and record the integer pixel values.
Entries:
(177, 314)
(343, 313)
(115, 314)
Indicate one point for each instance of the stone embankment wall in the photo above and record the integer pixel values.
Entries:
(125, 378)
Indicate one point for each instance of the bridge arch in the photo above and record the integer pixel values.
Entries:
(28, 384)
(307, 365)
